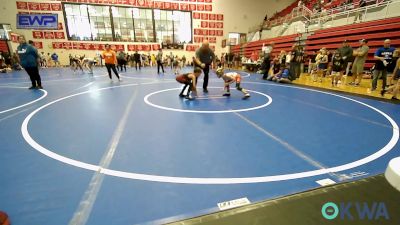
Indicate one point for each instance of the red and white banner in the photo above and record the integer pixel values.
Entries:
(59, 35)
(57, 45)
(211, 24)
(198, 39)
(67, 45)
(208, 1)
(208, 8)
(211, 32)
(155, 47)
(204, 16)
(45, 6)
(196, 15)
(200, 7)
(37, 34)
(219, 25)
(167, 5)
(191, 48)
(55, 6)
(158, 5)
(212, 39)
(38, 44)
(204, 24)
(132, 48)
(184, 6)
(219, 33)
(200, 0)
(220, 17)
(192, 7)
(48, 34)
(22, 5)
(175, 6)
(33, 6)
(212, 16)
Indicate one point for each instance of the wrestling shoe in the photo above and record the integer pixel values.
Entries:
(246, 96)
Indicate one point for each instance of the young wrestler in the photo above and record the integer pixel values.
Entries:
(230, 78)
(189, 80)
(337, 68)
(88, 63)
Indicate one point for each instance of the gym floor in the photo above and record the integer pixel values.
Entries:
(89, 151)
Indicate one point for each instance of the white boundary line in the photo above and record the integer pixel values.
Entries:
(146, 100)
(29, 103)
(189, 180)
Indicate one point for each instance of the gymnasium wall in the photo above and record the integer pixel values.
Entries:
(235, 15)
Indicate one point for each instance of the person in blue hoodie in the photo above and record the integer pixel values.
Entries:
(29, 58)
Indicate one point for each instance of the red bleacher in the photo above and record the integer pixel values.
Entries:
(375, 32)
(280, 43)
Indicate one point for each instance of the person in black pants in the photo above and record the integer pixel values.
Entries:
(29, 59)
(189, 80)
(204, 58)
(136, 57)
(110, 59)
(265, 66)
(159, 59)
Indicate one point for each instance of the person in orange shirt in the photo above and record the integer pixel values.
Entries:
(110, 59)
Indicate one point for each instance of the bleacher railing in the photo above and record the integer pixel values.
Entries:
(328, 15)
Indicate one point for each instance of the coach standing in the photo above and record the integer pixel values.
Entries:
(29, 58)
(204, 58)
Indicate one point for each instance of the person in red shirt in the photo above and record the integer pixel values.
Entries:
(110, 59)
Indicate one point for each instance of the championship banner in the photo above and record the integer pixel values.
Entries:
(208, 8)
(204, 24)
(38, 44)
(184, 6)
(37, 34)
(204, 16)
(59, 35)
(211, 24)
(45, 7)
(200, 7)
(48, 35)
(33, 6)
(212, 16)
(196, 15)
(22, 5)
(155, 47)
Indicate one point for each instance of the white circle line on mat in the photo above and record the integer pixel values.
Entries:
(28, 103)
(147, 101)
(200, 180)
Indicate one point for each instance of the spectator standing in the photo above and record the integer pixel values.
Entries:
(29, 59)
(54, 57)
(359, 14)
(358, 65)
(346, 52)
(384, 57)
(137, 58)
(160, 61)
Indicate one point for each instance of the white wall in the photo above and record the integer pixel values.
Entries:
(239, 15)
